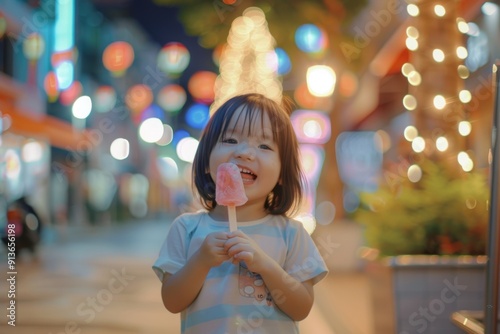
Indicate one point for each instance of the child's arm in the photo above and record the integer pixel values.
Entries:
(181, 289)
(293, 297)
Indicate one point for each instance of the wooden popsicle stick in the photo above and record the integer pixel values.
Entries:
(231, 212)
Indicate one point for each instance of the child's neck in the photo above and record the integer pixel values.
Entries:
(244, 213)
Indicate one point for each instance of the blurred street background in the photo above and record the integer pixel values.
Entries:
(102, 103)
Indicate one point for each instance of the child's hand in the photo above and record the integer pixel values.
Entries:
(212, 252)
(241, 247)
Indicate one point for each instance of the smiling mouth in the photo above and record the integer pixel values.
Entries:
(247, 175)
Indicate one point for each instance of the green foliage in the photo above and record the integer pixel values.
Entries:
(444, 213)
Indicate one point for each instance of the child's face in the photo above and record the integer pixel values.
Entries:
(255, 153)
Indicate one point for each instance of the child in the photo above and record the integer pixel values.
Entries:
(260, 278)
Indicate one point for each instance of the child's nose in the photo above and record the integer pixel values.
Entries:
(245, 151)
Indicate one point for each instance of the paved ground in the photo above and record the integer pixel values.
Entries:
(99, 281)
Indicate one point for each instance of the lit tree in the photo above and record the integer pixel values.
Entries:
(248, 63)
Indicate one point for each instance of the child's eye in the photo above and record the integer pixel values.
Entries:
(229, 141)
(265, 147)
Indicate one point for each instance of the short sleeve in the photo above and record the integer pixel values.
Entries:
(173, 252)
(303, 261)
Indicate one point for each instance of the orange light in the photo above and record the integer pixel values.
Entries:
(201, 86)
(138, 98)
(304, 98)
(118, 57)
(51, 86)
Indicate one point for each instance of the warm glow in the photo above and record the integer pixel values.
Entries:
(464, 128)
(439, 10)
(414, 173)
(412, 32)
(410, 133)
(463, 27)
(465, 96)
(439, 102)
(407, 68)
(463, 71)
(442, 144)
(462, 52)
(414, 78)
(321, 80)
(413, 10)
(411, 44)
(418, 144)
(465, 161)
(438, 55)
(117, 57)
(410, 102)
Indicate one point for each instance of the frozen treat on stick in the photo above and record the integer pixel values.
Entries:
(229, 190)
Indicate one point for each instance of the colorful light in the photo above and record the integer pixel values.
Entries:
(321, 80)
(120, 148)
(104, 99)
(304, 98)
(284, 63)
(138, 98)
(173, 58)
(51, 86)
(117, 57)
(312, 127)
(197, 116)
(151, 130)
(33, 46)
(171, 98)
(82, 107)
(201, 85)
(310, 38)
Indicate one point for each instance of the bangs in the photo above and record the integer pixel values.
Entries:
(251, 117)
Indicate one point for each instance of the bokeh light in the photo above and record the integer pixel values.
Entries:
(104, 99)
(201, 86)
(310, 38)
(304, 98)
(321, 80)
(197, 115)
(117, 57)
(82, 107)
(120, 148)
(138, 97)
(171, 98)
(414, 173)
(284, 63)
(151, 130)
(173, 58)
(311, 127)
(167, 137)
(186, 149)
(33, 46)
(51, 86)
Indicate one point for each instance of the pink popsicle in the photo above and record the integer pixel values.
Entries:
(229, 190)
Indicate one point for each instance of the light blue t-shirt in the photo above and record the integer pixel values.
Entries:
(234, 300)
